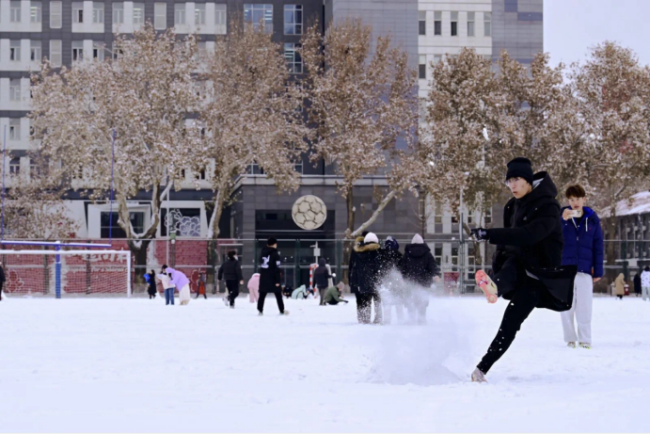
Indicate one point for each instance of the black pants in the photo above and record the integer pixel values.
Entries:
(233, 291)
(521, 305)
(152, 296)
(278, 297)
(1, 285)
(620, 297)
(364, 308)
(322, 292)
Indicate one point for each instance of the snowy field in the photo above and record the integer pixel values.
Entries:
(125, 365)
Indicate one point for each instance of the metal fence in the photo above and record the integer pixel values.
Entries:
(458, 261)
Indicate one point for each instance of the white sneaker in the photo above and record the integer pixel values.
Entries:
(478, 376)
(571, 345)
(286, 312)
(585, 345)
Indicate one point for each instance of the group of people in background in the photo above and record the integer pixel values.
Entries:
(371, 281)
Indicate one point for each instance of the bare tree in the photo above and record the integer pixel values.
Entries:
(362, 103)
(141, 97)
(252, 115)
(613, 92)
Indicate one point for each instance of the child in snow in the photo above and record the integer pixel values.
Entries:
(527, 264)
(583, 247)
(151, 281)
(230, 271)
(180, 281)
(168, 286)
(254, 288)
(333, 295)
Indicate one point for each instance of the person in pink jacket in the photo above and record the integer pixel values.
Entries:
(254, 288)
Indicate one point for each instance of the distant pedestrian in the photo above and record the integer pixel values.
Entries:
(322, 279)
(230, 271)
(270, 276)
(419, 267)
(200, 287)
(619, 285)
(645, 283)
(181, 282)
(168, 287)
(637, 283)
(151, 282)
(254, 288)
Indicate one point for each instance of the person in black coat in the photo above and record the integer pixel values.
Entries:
(3, 279)
(270, 276)
(527, 264)
(321, 279)
(151, 280)
(367, 275)
(358, 242)
(394, 295)
(637, 283)
(418, 266)
(230, 271)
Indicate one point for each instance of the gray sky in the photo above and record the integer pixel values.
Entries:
(571, 27)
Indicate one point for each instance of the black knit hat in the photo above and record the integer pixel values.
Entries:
(520, 168)
(271, 242)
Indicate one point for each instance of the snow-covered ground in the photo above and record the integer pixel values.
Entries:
(136, 365)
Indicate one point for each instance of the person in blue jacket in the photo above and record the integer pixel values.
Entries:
(583, 246)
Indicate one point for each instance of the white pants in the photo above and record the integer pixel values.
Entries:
(184, 294)
(583, 294)
(646, 291)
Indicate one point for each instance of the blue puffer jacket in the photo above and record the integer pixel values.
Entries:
(583, 244)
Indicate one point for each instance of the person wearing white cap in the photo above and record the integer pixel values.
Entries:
(367, 275)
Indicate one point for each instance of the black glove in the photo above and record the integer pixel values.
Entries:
(480, 234)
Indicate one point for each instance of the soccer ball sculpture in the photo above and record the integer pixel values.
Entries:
(309, 212)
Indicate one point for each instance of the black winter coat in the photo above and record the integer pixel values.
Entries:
(390, 259)
(152, 290)
(532, 237)
(230, 270)
(367, 270)
(418, 265)
(270, 275)
(637, 283)
(352, 265)
(322, 275)
(3, 278)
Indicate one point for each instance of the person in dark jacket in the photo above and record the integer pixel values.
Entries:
(395, 292)
(637, 283)
(367, 274)
(358, 242)
(230, 271)
(151, 281)
(583, 247)
(322, 276)
(527, 266)
(270, 276)
(3, 279)
(419, 267)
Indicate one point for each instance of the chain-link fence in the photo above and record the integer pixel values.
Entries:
(458, 261)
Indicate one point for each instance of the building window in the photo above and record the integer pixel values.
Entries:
(220, 18)
(160, 16)
(487, 23)
(55, 15)
(488, 216)
(259, 14)
(109, 225)
(200, 175)
(199, 14)
(201, 52)
(437, 58)
(422, 23)
(14, 166)
(14, 51)
(138, 14)
(99, 51)
(471, 22)
(35, 12)
(98, 13)
(77, 13)
(14, 129)
(293, 19)
(118, 13)
(294, 61)
(454, 24)
(14, 89)
(422, 67)
(437, 217)
(14, 13)
(437, 23)
(117, 52)
(77, 51)
(36, 51)
(55, 52)
(437, 255)
(179, 14)
(34, 169)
